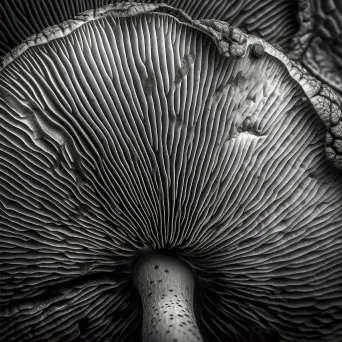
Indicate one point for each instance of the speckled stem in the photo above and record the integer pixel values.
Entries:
(166, 286)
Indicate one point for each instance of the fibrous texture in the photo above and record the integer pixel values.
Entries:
(318, 42)
(273, 20)
(308, 30)
(130, 130)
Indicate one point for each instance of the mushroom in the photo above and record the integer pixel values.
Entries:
(153, 161)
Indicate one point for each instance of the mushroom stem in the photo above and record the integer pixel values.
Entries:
(166, 286)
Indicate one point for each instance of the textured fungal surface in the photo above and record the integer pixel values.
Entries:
(166, 286)
(273, 20)
(318, 42)
(134, 128)
(309, 31)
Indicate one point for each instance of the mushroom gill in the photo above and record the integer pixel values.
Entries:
(273, 20)
(309, 31)
(134, 134)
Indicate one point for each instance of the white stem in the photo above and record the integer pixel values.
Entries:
(166, 286)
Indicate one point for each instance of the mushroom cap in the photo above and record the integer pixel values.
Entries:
(308, 30)
(318, 42)
(21, 19)
(135, 128)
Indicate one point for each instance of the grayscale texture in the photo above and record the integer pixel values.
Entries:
(134, 128)
(310, 31)
(21, 19)
(318, 42)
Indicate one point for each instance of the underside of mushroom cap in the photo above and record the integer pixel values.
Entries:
(134, 128)
(21, 19)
